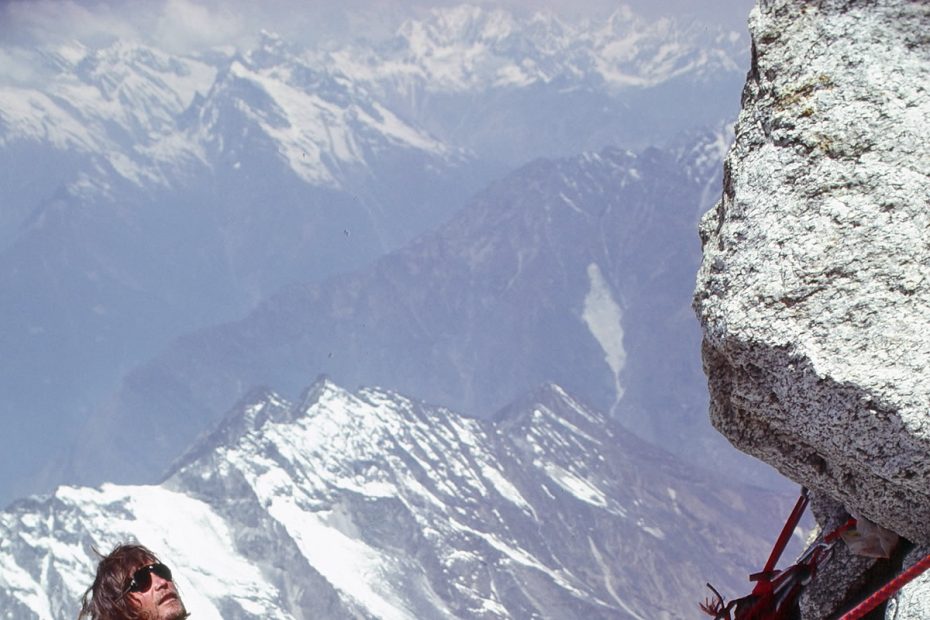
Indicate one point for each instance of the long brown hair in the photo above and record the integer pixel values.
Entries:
(104, 600)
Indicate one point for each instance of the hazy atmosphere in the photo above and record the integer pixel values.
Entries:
(82, 312)
(216, 217)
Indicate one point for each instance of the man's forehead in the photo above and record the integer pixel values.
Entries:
(143, 562)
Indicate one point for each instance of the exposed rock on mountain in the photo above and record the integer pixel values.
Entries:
(371, 505)
(147, 193)
(576, 271)
(814, 291)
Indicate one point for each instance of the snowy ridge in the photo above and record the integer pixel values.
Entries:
(117, 94)
(465, 48)
(118, 105)
(374, 505)
(318, 122)
(146, 116)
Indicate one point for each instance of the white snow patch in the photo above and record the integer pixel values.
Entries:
(394, 128)
(540, 411)
(25, 588)
(72, 52)
(608, 579)
(512, 75)
(506, 488)
(603, 317)
(673, 495)
(652, 531)
(350, 565)
(519, 556)
(582, 489)
(578, 407)
(571, 203)
(30, 115)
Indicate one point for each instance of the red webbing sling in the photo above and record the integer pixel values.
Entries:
(776, 592)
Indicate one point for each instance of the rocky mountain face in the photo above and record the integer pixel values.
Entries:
(576, 271)
(813, 292)
(148, 194)
(372, 505)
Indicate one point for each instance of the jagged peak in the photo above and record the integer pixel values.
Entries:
(368, 521)
(322, 388)
(329, 412)
(551, 401)
(271, 50)
(129, 52)
(64, 57)
(465, 22)
(257, 407)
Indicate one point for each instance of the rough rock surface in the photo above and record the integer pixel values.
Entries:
(845, 575)
(914, 599)
(814, 292)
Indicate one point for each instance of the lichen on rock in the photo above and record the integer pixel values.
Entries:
(814, 291)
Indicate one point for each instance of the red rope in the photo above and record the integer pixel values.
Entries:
(885, 592)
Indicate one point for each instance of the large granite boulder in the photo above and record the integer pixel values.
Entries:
(814, 292)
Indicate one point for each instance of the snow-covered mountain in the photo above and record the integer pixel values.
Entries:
(142, 115)
(147, 194)
(489, 81)
(577, 271)
(372, 505)
(468, 48)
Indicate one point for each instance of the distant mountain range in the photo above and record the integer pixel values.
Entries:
(493, 214)
(372, 505)
(576, 271)
(131, 113)
(514, 89)
(148, 195)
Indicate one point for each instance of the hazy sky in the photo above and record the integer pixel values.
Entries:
(180, 25)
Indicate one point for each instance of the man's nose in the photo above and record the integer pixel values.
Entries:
(158, 583)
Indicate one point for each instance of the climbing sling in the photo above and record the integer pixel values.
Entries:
(776, 592)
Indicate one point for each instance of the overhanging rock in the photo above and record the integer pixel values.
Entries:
(814, 292)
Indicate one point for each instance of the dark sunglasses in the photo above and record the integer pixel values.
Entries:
(142, 579)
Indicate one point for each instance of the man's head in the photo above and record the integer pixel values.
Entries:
(131, 584)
